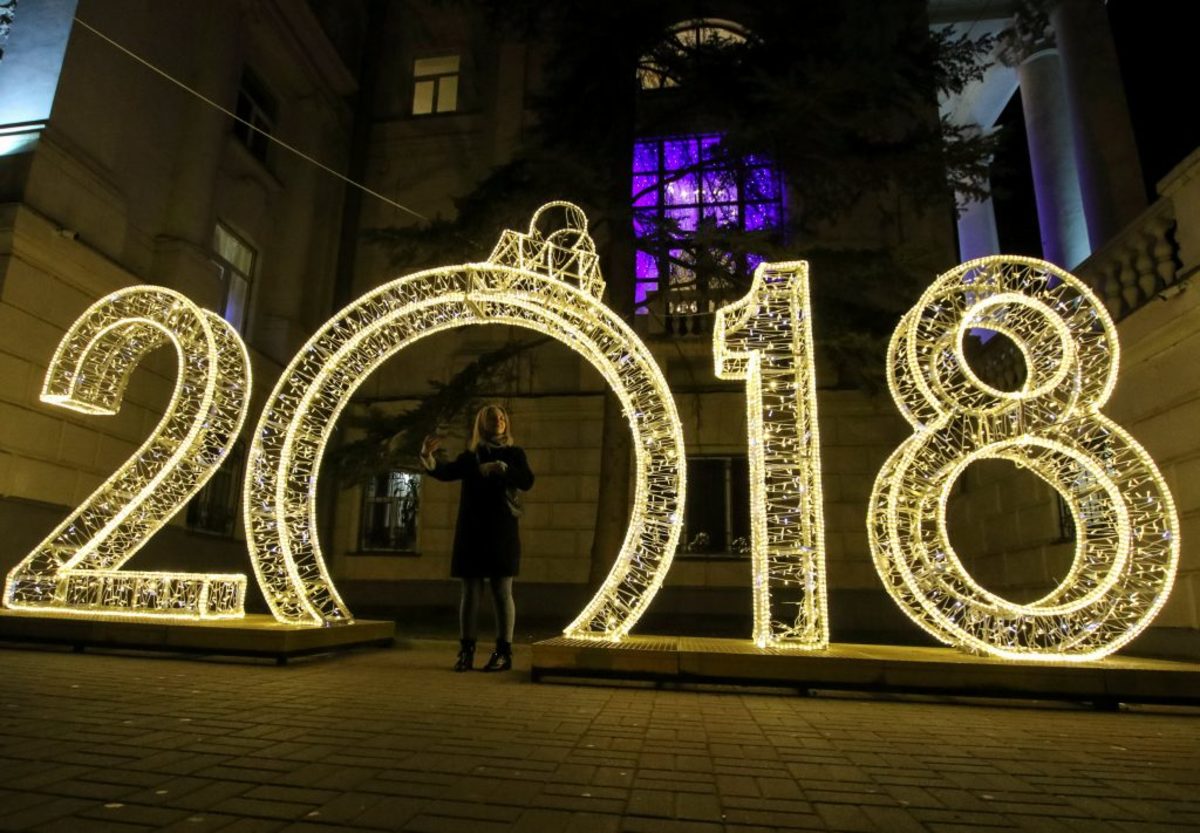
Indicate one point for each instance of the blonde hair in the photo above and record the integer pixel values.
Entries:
(479, 433)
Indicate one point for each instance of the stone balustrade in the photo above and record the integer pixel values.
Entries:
(1138, 264)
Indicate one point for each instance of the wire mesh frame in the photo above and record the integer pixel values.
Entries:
(76, 569)
(1127, 546)
(547, 281)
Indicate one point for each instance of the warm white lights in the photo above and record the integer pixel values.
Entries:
(76, 569)
(766, 339)
(548, 281)
(1128, 533)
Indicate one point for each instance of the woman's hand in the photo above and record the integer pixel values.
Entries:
(430, 444)
(493, 469)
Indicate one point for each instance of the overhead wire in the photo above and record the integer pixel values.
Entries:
(266, 135)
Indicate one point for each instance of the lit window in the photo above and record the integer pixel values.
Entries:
(216, 508)
(235, 261)
(678, 183)
(256, 106)
(389, 513)
(435, 85)
(716, 519)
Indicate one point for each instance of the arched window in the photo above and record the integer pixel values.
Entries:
(654, 68)
(682, 181)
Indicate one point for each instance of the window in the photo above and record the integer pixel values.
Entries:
(256, 106)
(215, 508)
(716, 518)
(235, 261)
(682, 41)
(435, 85)
(680, 182)
(389, 512)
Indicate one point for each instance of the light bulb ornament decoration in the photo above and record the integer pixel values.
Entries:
(544, 280)
(1127, 547)
(76, 569)
(765, 338)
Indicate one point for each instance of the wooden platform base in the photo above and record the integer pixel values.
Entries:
(882, 668)
(257, 635)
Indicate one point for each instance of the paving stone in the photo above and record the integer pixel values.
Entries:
(75, 824)
(133, 814)
(45, 810)
(407, 744)
(845, 817)
(242, 806)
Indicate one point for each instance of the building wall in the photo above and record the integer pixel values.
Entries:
(124, 187)
(1158, 400)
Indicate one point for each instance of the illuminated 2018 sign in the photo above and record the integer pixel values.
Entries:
(548, 280)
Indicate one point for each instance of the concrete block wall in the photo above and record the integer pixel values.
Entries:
(49, 454)
(1157, 399)
(1004, 524)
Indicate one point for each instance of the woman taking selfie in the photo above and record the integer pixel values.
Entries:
(486, 540)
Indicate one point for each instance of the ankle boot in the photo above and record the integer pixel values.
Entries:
(501, 658)
(466, 655)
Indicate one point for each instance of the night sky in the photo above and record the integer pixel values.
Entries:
(1155, 45)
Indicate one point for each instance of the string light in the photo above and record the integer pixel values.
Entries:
(545, 281)
(75, 570)
(765, 338)
(1127, 547)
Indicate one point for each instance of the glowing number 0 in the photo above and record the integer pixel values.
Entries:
(524, 283)
(75, 570)
(1128, 543)
(766, 339)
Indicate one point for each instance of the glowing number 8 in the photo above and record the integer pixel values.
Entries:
(1128, 543)
(75, 570)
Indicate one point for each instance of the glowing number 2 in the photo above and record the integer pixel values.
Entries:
(1128, 533)
(75, 569)
(766, 339)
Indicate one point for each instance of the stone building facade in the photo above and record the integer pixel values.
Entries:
(122, 178)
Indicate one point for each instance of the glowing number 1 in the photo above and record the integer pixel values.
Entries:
(766, 339)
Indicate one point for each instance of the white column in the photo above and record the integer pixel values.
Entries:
(1052, 157)
(1110, 173)
(977, 236)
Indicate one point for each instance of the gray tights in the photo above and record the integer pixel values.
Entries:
(502, 603)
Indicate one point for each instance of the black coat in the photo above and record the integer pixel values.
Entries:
(486, 541)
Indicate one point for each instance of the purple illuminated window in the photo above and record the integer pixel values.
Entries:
(679, 182)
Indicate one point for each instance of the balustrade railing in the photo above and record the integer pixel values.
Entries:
(1131, 269)
(1136, 265)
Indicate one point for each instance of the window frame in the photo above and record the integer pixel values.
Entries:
(735, 467)
(437, 81)
(654, 200)
(369, 499)
(228, 269)
(256, 104)
(231, 471)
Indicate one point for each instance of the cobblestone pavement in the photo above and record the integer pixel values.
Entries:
(393, 740)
